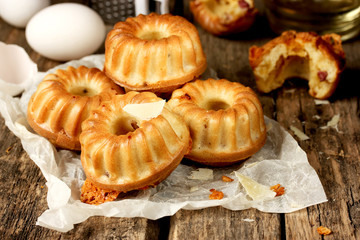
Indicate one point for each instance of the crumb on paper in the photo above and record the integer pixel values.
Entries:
(254, 189)
(302, 136)
(333, 122)
(216, 195)
(226, 179)
(278, 189)
(247, 220)
(321, 102)
(202, 174)
(323, 230)
(194, 189)
(91, 194)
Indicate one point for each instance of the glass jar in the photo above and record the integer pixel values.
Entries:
(321, 16)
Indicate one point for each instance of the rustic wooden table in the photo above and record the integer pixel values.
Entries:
(334, 154)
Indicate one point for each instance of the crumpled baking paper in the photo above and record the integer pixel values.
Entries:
(281, 160)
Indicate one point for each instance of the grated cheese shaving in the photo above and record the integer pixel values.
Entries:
(302, 136)
(269, 126)
(254, 189)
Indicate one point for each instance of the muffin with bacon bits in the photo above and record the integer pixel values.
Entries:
(224, 17)
(307, 55)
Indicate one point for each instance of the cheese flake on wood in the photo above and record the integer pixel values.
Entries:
(145, 111)
(302, 136)
(321, 102)
(333, 122)
(254, 189)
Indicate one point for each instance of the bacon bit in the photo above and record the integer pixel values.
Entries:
(226, 179)
(9, 149)
(322, 75)
(186, 96)
(278, 189)
(243, 4)
(216, 195)
(323, 230)
(91, 194)
(134, 125)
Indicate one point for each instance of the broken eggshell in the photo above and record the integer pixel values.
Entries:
(16, 69)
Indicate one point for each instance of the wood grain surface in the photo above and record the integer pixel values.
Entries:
(333, 153)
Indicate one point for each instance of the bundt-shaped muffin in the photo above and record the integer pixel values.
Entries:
(225, 118)
(121, 152)
(63, 100)
(318, 59)
(154, 52)
(223, 17)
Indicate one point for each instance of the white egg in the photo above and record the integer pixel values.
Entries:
(19, 12)
(65, 31)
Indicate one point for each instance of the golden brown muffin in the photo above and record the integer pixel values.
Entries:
(222, 17)
(156, 53)
(225, 118)
(123, 153)
(318, 59)
(64, 99)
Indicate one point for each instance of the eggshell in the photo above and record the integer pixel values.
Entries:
(16, 69)
(19, 12)
(66, 31)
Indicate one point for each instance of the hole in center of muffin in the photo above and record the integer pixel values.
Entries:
(152, 35)
(216, 105)
(83, 91)
(124, 125)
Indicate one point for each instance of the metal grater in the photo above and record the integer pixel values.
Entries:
(113, 11)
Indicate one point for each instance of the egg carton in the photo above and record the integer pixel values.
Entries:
(113, 11)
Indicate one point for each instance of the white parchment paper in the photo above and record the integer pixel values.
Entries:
(281, 160)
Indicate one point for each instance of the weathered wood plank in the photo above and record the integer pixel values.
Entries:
(220, 223)
(334, 154)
